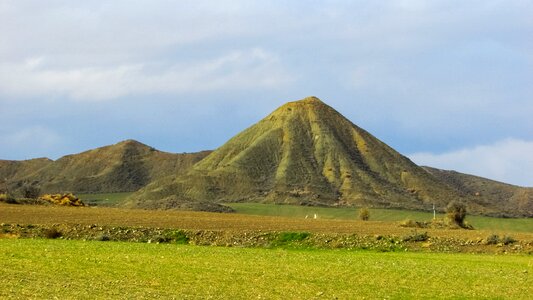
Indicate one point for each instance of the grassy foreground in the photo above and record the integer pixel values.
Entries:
(100, 270)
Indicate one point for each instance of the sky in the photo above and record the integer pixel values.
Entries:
(449, 84)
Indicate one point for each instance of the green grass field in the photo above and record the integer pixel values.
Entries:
(100, 270)
(104, 199)
(479, 222)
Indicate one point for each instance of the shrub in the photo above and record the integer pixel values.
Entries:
(467, 225)
(364, 214)
(62, 199)
(30, 191)
(456, 213)
(507, 240)
(159, 239)
(4, 197)
(103, 238)
(412, 223)
(287, 237)
(492, 239)
(179, 237)
(416, 237)
(52, 233)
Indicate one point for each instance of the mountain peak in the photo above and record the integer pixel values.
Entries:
(307, 101)
(309, 107)
(131, 142)
(310, 100)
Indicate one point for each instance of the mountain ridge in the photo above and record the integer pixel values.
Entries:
(305, 152)
(125, 166)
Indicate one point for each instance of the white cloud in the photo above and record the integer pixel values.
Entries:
(509, 161)
(403, 68)
(254, 68)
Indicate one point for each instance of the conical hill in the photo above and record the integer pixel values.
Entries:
(306, 153)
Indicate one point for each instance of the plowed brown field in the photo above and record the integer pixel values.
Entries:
(48, 215)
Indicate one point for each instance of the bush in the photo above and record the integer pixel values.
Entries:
(412, 223)
(62, 199)
(179, 237)
(103, 238)
(507, 240)
(52, 233)
(416, 237)
(30, 191)
(492, 239)
(159, 239)
(7, 199)
(287, 237)
(456, 213)
(364, 214)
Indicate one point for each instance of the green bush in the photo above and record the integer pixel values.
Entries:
(31, 191)
(103, 238)
(4, 197)
(507, 240)
(179, 237)
(492, 239)
(287, 237)
(416, 237)
(52, 233)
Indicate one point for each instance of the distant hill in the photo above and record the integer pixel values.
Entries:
(303, 153)
(126, 166)
(307, 153)
(506, 199)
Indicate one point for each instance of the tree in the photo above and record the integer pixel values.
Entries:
(456, 213)
(364, 214)
(31, 191)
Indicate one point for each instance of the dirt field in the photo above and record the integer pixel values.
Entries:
(49, 215)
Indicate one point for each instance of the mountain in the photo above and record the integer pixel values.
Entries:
(506, 199)
(303, 153)
(306, 153)
(125, 166)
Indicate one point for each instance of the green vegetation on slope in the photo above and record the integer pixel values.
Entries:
(376, 214)
(88, 270)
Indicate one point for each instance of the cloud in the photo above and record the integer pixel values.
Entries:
(421, 75)
(254, 68)
(509, 160)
